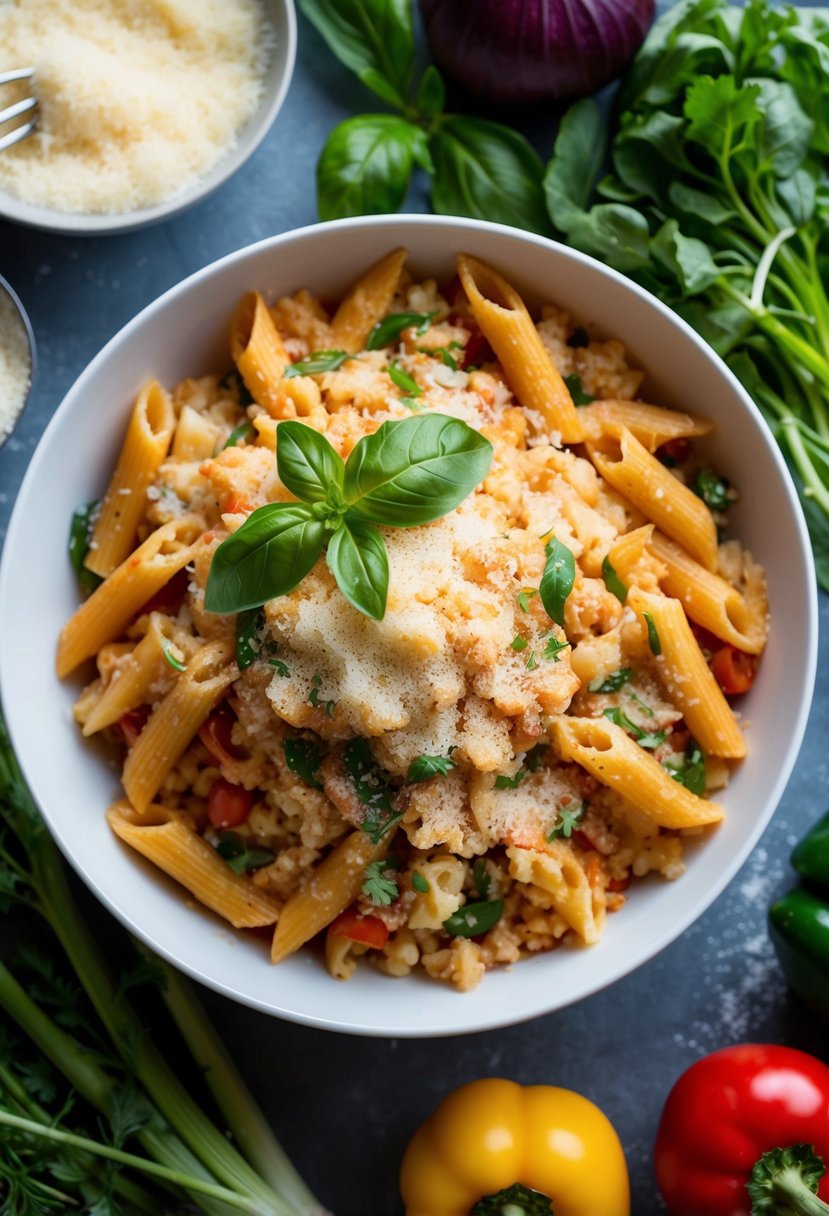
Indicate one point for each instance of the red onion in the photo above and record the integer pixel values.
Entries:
(534, 50)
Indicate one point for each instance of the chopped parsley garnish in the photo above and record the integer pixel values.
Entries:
(509, 783)
(535, 756)
(532, 661)
(240, 434)
(613, 682)
(568, 820)
(649, 739)
(372, 789)
(424, 767)
(519, 643)
(576, 391)
(403, 380)
(474, 919)
(553, 647)
(481, 877)
(281, 669)
(713, 490)
(314, 697)
(612, 581)
(653, 636)
(419, 883)
(318, 361)
(689, 770)
(234, 382)
(390, 328)
(444, 353)
(524, 598)
(80, 534)
(249, 628)
(304, 757)
(579, 337)
(241, 859)
(378, 887)
(166, 650)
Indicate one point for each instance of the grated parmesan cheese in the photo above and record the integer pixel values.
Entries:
(15, 364)
(136, 101)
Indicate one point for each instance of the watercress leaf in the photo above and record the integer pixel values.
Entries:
(806, 68)
(424, 767)
(319, 361)
(784, 132)
(648, 152)
(690, 56)
(720, 111)
(798, 194)
(487, 171)
(557, 580)
(366, 165)
(701, 204)
(431, 94)
(578, 154)
(688, 258)
(358, 560)
(306, 462)
(303, 757)
(685, 16)
(723, 322)
(474, 919)
(273, 550)
(614, 232)
(388, 331)
(372, 37)
(413, 471)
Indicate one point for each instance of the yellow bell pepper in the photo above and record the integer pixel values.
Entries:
(494, 1136)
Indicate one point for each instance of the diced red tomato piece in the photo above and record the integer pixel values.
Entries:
(170, 597)
(236, 504)
(733, 669)
(228, 805)
(677, 450)
(369, 930)
(133, 722)
(477, 350)
(619, 884)
(216, 734)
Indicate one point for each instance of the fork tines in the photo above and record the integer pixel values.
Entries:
(25, 106)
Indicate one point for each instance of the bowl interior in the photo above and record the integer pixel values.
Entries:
(185, 333)
(282, 17)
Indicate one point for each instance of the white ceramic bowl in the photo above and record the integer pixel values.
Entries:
(185, 333)
(282, 17)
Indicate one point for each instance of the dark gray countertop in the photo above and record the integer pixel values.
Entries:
(344, 1107)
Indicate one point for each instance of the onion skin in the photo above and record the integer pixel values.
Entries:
(525, 51)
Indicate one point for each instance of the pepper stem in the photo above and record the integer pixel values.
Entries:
(516, 1200)
(784, 1182)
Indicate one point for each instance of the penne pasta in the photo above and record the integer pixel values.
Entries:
(175, 723)
(633, 561)
(148, 438)
(367, 303)
(651, 424)
(110, 608)
(558, 871)
(631, 469)
(688, 679)
(196, 437)
(509, 329)
(333, 885)
(164, 839)
(257, 350)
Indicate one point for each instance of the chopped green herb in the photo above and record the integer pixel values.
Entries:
(420, 884)
(557, 580)
(613, 682)
(378, 887)
(376, 829)
(412, 403)
(240, 434)
(474, 919)
(612, 581)
(578, 338)
(241, 859)
(314, 697)
(648, 739)
(574, 387)
(535, 756)
(80, 534)
(553, 647)
(713, 490)
(318, 361)
(372, 787)
(524, 598)
(519, 643)
(281, 669)
(175, 663)
(390, 328)
(304, 757)
(481, 877)
(249, 629)
(444, 353)
(643, 705)
(653, 636)
(689, 770)
(568, 820)
(234, 382)
(509, 783)
(532, 661)
(424, 767)
(403, 380)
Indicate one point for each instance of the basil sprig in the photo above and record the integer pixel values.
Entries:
(318, 361)
(409, 472)
(390, 328)
(557, 580)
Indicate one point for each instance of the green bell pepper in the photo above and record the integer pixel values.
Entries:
(799, 922)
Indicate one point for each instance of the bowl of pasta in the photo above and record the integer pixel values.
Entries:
(422, 626)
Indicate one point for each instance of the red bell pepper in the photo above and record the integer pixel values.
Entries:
(745, 1132)
(369, 930)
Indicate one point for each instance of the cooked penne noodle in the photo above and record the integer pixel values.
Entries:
(257, 350)
(120, 597)
(651, 424)
(613, 758)
(633, 561)
(558, 871)
(710, 600)
(687, 677)
(174, 724)
(333, 885)
(634, 472)
(164, 839)
(508, 328)
(367, 303)
(148, 438)
(196, 437)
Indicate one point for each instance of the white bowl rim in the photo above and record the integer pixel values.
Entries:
(15, 210)
(666, 935)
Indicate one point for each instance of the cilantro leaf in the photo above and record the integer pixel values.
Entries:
(377, 885)
(503, 782)
(567, 821)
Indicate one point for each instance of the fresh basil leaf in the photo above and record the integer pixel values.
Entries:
(472, 920)
(403, 380)
(413, 471)
(613, 682)
(366, 165)
(372, 37)
(690, 770)
(431, 93)
(240, 858)
(557, 580)
(304, 757)
(578, 154)
(80, 534)
(424, 767)
(358, 560)
(319, 361)
(274, 549)
(576, 391)
(388, 330)
(306, 463)
(612, 581)
(487, 171)
(653, 635)
(713, 490)
(249, 628)
(240, 434)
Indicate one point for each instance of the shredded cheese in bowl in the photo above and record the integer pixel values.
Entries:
(136, 101)
(15, 363)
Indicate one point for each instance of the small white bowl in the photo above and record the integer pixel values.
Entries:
(185, 333)
(282, 17)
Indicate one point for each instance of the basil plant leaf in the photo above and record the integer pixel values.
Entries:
(487, 171)
(306, 462)
(577, 158)
(268, 556)
(366, 165)
(431, 93)
(359, 562)
(413, 471)
(372, 37)
(557, 580)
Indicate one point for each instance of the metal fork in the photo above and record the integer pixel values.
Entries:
(24, 106)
